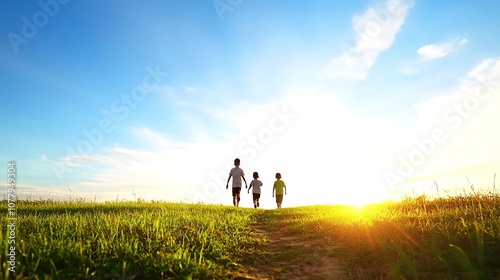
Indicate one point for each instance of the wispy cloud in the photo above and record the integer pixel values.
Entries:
(466, 117)
(153, 138)
(375, 32)
(189, 96)
(435, 51)
(488, 71)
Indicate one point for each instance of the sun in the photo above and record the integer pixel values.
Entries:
(359, 195)
(355, 196)
(360, 200)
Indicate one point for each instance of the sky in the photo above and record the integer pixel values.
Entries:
(351, 102)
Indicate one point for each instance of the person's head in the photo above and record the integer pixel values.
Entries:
(255, 175)
(237, 162)
(278, 176)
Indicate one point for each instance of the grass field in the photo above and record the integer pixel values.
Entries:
(126, 240)
(453, 238)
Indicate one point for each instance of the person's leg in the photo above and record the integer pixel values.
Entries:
(236, 196)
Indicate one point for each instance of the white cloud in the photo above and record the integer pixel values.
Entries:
(467, 116)
(432, 52)
(188, 96)
(375, 32)
(488, 72)
(43, 157)
(153, 138)
(435, 51)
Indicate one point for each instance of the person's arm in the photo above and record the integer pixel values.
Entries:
(273, 190)
(284, 186)
(250, 187)
(228, 178)
(246, 185)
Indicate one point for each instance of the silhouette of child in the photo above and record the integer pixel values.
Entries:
(279, 186)
(256, 184)
(237, 173)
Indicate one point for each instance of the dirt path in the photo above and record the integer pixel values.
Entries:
(289, 255)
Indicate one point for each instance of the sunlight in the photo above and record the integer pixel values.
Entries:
(340, 193)
(359, 191)
(360, 200)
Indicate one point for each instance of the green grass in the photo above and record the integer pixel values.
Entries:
(452, 238)
(125, 240)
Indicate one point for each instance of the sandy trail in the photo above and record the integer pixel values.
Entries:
(288, 255)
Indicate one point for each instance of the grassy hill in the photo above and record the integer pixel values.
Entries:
(453, 238)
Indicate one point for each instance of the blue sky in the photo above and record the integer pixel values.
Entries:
(351, 102)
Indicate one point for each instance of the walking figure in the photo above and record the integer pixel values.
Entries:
(237, 173)
(279, 186)
(256, 184)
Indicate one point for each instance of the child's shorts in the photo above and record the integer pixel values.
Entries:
(279, 198)
(256, 196)
(236, 191)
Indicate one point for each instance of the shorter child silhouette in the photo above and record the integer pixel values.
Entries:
(279, 186)
(256, 184)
